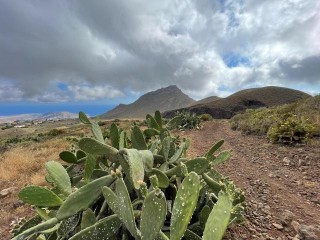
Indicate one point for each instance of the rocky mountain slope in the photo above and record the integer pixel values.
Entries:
(163, 99)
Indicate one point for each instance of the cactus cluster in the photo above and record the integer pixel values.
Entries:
(134, 185)
(185, 120)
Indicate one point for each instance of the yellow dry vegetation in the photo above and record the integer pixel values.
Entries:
(26, 163)
(19, 166)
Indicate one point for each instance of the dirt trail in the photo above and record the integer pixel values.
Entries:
(281, 183)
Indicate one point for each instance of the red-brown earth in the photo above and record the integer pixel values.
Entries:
(281, 182)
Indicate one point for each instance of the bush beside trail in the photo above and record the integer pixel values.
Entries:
(290, 123)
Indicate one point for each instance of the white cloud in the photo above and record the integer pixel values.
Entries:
(85, 93)
(101, 49)
(9, 92)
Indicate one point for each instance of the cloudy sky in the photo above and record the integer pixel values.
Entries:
(115, 50)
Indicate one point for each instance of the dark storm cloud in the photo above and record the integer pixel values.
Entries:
(105, 49)
(305, 70)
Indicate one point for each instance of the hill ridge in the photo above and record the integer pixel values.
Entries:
(245, 99)
(204, 100)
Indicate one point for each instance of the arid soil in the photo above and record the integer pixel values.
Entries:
(281, 183)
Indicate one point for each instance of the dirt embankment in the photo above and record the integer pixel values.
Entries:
(281, 183)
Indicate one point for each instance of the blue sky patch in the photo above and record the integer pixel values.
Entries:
(228, 8)
(63, 86)
(234, 60)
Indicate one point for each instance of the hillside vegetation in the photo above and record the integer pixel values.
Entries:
(246, 99)
(294, 122)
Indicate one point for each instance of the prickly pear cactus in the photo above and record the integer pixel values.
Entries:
(184, 205)
(133, 185)
(185, 120)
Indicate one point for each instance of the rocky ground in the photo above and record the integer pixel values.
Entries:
(281, 183)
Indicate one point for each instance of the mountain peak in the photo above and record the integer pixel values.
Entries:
(171, 87)
(163, 99)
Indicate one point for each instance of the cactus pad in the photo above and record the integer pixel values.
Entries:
(39, 196)
(153, 214)
(59, 176)
(184, 205)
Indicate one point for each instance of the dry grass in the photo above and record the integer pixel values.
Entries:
(20, 166)
(26, 161)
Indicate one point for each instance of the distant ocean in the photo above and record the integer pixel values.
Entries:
(7, 109)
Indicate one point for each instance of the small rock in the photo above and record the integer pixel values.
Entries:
(296, 237)
(286, 161)
(277, 226)
(17, 204)
(295, 226)
(309, 232)
(315, 200)
(286, 217)
(301, 163)
(6, 192)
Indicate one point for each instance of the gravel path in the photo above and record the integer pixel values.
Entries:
(281, 183)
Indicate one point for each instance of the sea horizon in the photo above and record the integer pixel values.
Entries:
(12, 109)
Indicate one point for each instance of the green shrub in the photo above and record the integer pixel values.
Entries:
(14, 140)
(291, 130)
(288, 123)
(253, 121)
(55, 132)
(138, 186)
(7, 127)
(185, 120)
(72, 139)
(206, 117)
(103, 123)
(35, 139)
(140, 123)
